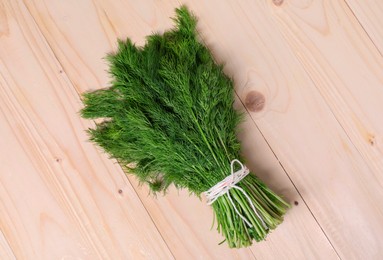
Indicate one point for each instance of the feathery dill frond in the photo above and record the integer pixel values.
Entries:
(169, 111)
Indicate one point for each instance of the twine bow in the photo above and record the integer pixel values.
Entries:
(223, 187)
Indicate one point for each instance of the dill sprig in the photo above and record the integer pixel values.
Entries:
(169, 119)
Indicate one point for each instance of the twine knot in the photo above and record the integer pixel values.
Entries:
(230, 182)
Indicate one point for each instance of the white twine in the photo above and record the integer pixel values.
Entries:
(223, 187)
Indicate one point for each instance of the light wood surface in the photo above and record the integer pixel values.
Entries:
(317, 141)
(369, 15)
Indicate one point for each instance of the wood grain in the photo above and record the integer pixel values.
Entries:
(307, 74)
(349, 78)
(370, 16)
(59, 197)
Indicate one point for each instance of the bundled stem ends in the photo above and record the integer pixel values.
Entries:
(169, 111)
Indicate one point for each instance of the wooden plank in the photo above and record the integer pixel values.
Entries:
(59, 198)
(297, 238)
(338, 183)
(370, 16)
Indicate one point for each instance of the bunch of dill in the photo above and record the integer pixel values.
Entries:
(169, 113)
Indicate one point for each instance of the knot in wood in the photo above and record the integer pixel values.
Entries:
(255, 101)
(277, 2)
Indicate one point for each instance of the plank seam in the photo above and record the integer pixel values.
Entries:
(7, 245)
(361, 25)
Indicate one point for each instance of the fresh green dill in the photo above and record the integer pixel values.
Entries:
(169, 119)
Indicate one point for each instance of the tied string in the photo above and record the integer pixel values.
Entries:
(230, 182)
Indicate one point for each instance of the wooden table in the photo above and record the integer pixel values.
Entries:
(308, 74)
